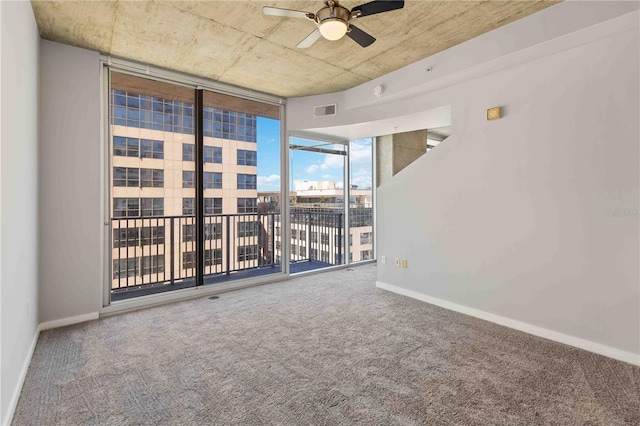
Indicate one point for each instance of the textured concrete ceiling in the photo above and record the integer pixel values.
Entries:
(233, 42)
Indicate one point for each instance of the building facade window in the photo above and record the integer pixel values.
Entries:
(246, 253)
(126, 207)
(188, 206)
(212, 154)
(189, 260)
(152, 235)
(126, 237)
(150, 112)
(132, 176)
(366, 254)
(247, 181)
(126, 176)
(247, 205)
(151, 149)
(211, 257)
(123, 268)
(188, 179)
(136, 266)
(212, 180)
(152, 264)
(151, 178)
(248, 229)
(130, 237)
(152, 206)
(188, 152)
(224, 124)
(126, 147)
(134, 147)
(366, 238)
(247, 158)
(212, 231)
(212, 206)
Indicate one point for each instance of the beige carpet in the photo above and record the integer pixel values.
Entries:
(326, 349)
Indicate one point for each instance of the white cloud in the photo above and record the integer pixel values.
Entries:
(312, 169)
(332, 161)
(361, 178)
(269, 183)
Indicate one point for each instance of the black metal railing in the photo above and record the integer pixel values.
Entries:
(317, 236)
(160, 250)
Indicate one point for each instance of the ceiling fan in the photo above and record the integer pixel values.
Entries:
(334, 21)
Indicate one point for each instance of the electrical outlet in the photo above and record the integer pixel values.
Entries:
(404, 263)
(397, 262)
(383, 259)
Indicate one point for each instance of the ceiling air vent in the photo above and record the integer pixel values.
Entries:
(321, 111)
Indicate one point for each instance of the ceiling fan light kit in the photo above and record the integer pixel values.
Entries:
(334, 21)
(333, 29)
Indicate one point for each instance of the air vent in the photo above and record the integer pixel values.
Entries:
(323, 110)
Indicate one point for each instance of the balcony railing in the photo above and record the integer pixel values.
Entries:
(162, 250)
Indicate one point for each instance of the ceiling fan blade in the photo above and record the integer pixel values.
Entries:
(378, 6)
(287, 13)
(310, 39)
(360, 37)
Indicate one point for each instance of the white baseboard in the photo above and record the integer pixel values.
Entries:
(566, 339)
(13, 403)
(68, 321)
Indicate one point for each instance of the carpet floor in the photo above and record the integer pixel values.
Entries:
(324, 349)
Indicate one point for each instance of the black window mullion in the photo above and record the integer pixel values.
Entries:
(199, 154)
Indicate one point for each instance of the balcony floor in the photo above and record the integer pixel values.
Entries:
(297, 267)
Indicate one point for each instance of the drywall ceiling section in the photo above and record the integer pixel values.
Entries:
(235, 43)
(437, 117)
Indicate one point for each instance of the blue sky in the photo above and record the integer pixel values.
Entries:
(308, 165)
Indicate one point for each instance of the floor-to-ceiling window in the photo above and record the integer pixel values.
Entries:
(184, 174)
(316, 204)
(361, 229)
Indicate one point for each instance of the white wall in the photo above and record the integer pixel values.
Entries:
(70, 183)
(517, 224)
(19, 202)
